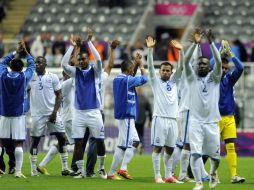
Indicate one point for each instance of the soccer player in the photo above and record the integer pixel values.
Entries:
(45, 100)
(227, 108)
(204, 115)
(13, 86)
(125, 102)
(164, 130)
(87, 103)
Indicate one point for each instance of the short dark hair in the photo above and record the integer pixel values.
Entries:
(125, 65)
(166, 63)
(16, 64)
(224, 60)
(204, 57)
(42, 58)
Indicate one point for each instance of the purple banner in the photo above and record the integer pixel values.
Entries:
(244, 142)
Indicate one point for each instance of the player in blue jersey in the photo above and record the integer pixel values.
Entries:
(125, 111)
(13, 85)
(227, 108)
(87, 103)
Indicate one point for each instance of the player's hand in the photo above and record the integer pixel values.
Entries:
(52, 117)
(150, 42)
(226, 48)
(89, 34)
(138, 59)
(75, 41)
(21, 50)
(196, 36)
(114, 44)
(209, 35)
(176, 45)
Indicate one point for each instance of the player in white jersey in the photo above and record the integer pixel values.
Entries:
(164, 130)
(204, 111)
(45, 100)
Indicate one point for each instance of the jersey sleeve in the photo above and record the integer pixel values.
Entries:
(56, 83)
(136, 81)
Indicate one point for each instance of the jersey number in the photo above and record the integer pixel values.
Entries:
(40, 86)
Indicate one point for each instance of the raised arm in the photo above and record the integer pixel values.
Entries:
(217, 71)
(150, 43)
(5, 62)
(196, 37)
(70, 70)
(110, 64)
(238, 69)
(179, 68)
(136, 81)
(98, 63)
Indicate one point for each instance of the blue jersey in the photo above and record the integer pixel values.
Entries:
(13, 86)
(125, 98)
(86, 96)
(226, 101)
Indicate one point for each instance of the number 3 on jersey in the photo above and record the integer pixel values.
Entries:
(40, 86)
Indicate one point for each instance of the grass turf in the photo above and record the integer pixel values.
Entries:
(140, 168)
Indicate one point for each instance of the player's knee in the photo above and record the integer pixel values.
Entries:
(35, 142)
(169, 150)
(157, 149)
(135, 144)
(62, 139)
(230, 147)
(196, 155)
(186, 146)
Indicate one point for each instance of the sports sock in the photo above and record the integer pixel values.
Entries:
(101, 162)
(184, 162)
(156, 158)
(232, 158)
(80, 165)
(176, 157)
(18, 158)
(214, 165)
(33, 159)
(117, 158)
(49, 156)
(64, 160)
(128, 155)
(167, 165)
(195, 167)
(203, 171)
(1, 149)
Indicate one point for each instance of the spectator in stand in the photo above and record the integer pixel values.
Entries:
(59, 44)
(252, 52)
(58, 57)
(37, 48)
(49, 57)
(239, 50)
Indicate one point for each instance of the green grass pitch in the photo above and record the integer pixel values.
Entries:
(140, 168)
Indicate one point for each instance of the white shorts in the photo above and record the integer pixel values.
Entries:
(184, 126)
(68, 131)
(205, 139)
(127, 133)
(164, 132)
(39, 123)
(13, 128)
(92, 120)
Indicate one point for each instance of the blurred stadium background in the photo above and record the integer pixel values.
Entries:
(46, 25)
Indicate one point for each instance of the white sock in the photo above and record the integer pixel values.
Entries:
(195, 167)
(33, 161)
(1, 149)
(156, 157)
(184, 162)
(49, 156)
(117, 158)
(18, 158)
(214, 166)
(64, 159)
(203, 171)
(128, 155)
(176, 157)
(80, 165)
(101, 162)
(168, 160)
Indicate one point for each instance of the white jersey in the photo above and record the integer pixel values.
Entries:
(67, 105)
(102, 85)
(183, 94)
(204, 91)
(165, 93)
(204, 101)
(42, 94)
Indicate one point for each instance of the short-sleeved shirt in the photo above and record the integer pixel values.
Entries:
(42, 94)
